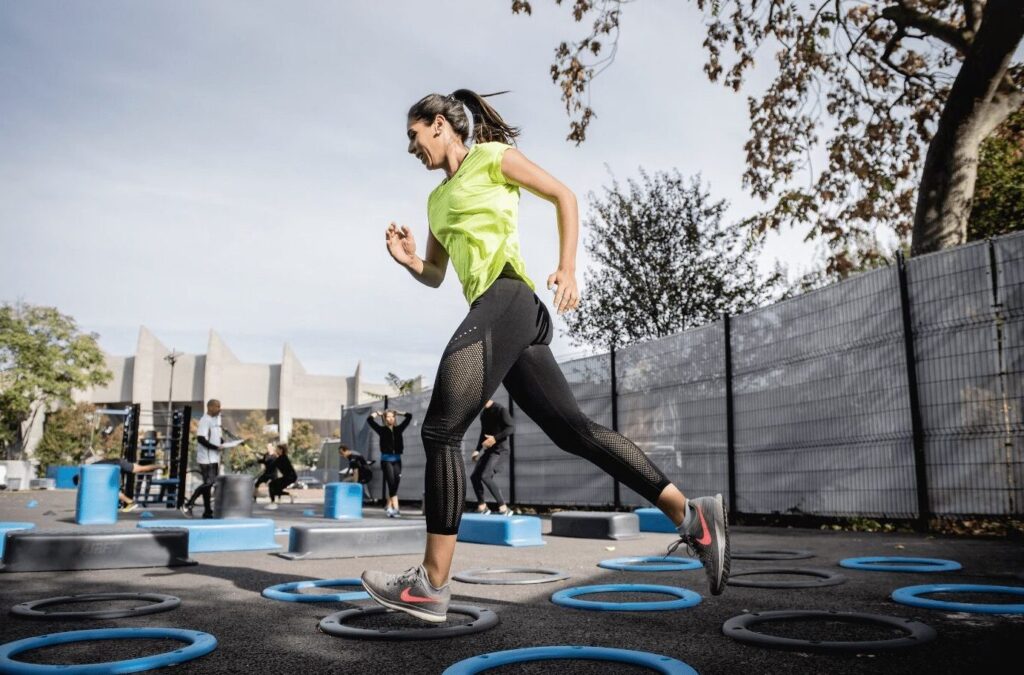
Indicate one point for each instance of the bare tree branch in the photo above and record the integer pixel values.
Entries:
(905, 17)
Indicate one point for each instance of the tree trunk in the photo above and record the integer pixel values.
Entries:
(974, 107)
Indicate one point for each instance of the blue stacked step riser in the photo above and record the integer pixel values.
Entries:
(213, 535)
(500, 530)
(653, 520)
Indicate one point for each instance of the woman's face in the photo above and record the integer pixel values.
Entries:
(424, 144)
(270, 448)
(389, 419)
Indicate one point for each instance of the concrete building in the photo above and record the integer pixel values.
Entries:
(283, 392)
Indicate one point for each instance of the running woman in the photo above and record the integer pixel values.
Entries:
(495, 428)
(391, 448)
(472, 216)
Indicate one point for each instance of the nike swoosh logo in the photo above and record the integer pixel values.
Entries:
(406, 596)
(706, 538)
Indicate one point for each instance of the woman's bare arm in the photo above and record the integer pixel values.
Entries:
(520, 171)
(402, 247)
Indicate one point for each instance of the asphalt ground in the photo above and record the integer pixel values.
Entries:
(221, 596)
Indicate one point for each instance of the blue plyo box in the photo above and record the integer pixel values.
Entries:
(63, 475)
(343, 501)
(653, 520)
(8, 527)
(213, 534)
(96, 502)
(500, 530)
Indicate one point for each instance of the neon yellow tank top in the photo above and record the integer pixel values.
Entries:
(474, 215)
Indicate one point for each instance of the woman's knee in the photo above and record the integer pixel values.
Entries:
(440, 431)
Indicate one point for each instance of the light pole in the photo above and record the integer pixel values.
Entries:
(171, 358)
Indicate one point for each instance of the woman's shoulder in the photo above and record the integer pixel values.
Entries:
(491, 148)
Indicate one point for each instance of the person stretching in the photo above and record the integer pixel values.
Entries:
(391, 447)
(505, 337)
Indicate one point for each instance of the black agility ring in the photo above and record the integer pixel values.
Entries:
(334, 624)
(822, 578)
(162, 603)
(772, 554)
(739, 628)
(477, 576)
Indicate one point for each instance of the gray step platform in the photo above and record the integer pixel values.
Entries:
(355, 539)
(595, 525)
(32, 551)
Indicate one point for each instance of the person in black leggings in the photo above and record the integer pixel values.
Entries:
(473, 224)
(269, 470)
(495, 428)
(391, 448)
(288, 475)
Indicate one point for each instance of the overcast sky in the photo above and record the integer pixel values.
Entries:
(233, 165)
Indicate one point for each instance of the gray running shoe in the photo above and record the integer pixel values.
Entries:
(409, 592)
(186, 511)
(705, 532)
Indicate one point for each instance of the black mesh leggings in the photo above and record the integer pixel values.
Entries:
(505, 338)
(392, 476)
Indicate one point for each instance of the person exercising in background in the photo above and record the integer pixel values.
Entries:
(358, 468)
(391, 447)
(495, 427)
(209, 436)
(269, 470)
(288, 475)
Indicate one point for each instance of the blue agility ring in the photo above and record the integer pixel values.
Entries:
(662, 664)
(200, 644)
(909, 596)
(662, 564)
(285, 592)
(684, 598)
(900, 564)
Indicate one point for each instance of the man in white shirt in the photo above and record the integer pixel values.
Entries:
(209, 437)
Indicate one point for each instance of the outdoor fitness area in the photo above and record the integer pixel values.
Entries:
(799, 601)
(671, 337)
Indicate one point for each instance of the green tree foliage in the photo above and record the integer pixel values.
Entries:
(403, 386)
(69, 431)
(897, 95)
(66, 436)
(664, 263)
(43, 358)
(304, 444)
(253, 431)
(999, 193)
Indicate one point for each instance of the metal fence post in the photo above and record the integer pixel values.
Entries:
(617, 491)
(512, 453)
(916, 425)
(380, 465)
(730, 428)
(180, 444)
(998, 321)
